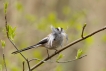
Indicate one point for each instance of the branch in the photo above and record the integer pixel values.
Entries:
(6, 26)
(4, 60)
(23, 63)
(37, 60)
(82, 35)
(71, 60)
(67, 46)
(58, 61)
(28, 65)
(9, 38)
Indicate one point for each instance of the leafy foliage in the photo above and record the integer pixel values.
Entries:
(50, 19)
(11, 32)
(79, 53)
(3, 43)
(59, 57)
(5, 7)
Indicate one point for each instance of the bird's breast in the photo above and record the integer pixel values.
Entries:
(55, 43)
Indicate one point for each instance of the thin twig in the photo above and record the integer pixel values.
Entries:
(6, 26)
(67, 46)
(71, 60)
(17, 49)
(28, 65)
(23, 63)
(4, 60)
(82, 35)
(36, 59)
(58, 61)
(9, 38)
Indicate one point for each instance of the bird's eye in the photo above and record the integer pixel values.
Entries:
(61, 29)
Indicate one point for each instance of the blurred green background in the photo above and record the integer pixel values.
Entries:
(32, 19)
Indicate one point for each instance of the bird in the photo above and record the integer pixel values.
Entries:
(52, 41)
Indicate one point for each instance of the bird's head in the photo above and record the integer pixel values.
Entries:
(59, 30)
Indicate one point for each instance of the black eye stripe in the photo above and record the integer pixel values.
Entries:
(59, 29)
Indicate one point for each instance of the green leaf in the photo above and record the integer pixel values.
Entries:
(59, 57)
(11, 31)
(5, 7)
(3, 43)
(79, 53)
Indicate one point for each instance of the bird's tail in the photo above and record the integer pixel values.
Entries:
(27, 48)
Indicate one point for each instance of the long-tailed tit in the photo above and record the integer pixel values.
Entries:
(52, 41)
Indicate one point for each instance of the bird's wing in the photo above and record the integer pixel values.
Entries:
(43, 41)
(50, 39)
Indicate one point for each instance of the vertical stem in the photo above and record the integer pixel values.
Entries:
(23, 63)
(4, 60)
